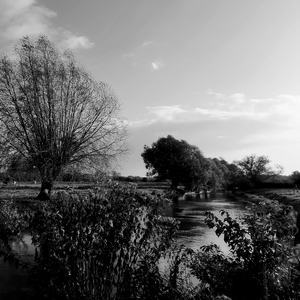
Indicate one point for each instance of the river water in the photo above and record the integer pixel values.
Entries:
(193, 233)
(14, 283)
(190, 211)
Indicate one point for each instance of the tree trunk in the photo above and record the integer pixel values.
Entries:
(48, 177)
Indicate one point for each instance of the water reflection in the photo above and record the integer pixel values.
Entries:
(190, 211)
(15, 283)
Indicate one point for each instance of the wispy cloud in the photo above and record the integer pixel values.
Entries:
(147, 43)
(144, 56)
(231, 126)
(156, 65)
(20, 18)
(280, 112)
(129, 55)
(280, 106)
(217, 95)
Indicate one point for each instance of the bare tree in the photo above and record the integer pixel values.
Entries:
(53, 112)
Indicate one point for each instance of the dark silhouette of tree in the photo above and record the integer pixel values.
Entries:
(53, 112)
(256, 168)
(295, 177)
(178, 161)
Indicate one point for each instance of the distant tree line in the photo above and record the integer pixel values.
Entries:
(185, 165)
(176, 163)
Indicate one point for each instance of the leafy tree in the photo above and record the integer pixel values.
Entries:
(256, 168)
(295, 177)
(218, 175)
(54, 113)
(227, 174)
(176, 160)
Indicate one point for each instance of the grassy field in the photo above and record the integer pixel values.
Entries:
(27, 191)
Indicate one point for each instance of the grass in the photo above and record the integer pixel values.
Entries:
(288, 196)
(27, 191)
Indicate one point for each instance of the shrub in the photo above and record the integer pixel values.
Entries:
(104, 245)
(262, 263)
(12, 225)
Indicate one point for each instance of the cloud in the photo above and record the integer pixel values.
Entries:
(238, 98)
(283, 109)
(144, 56)
(20, 18)
(217, 95)
(235, 117)
(183, 114)
(129, 55)
(147, 43)
(228, 114)
(231, 126)
(74, 42)
(156, 65)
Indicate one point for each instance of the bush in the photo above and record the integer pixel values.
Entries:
(262, 264)
(105, 245)
(12, 224)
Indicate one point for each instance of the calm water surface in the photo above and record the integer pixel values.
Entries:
(193, 233)
(190, 211)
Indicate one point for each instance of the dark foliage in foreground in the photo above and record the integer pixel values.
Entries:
(109, 243)
(264, 263)
(105, 245)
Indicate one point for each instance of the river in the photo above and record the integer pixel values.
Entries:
(189, 210)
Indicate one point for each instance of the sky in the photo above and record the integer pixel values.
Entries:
(223, 75)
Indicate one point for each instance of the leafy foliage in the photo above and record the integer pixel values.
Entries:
(13, 223)
(262, 263)
(178, 161)
(105, 245)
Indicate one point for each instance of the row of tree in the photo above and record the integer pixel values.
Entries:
(175, 160)
(185, 165)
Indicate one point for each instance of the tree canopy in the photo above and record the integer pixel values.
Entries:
(178, 161)
(54, 113)
(255, 168)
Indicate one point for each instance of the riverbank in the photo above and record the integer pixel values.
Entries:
(284, 196)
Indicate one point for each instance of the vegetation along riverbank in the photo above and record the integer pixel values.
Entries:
(106, 242)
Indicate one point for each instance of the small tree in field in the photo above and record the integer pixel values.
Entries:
(54, 113)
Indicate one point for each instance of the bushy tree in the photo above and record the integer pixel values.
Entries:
(178, 161)
(219, 174)
(255, 169)
(54, 113)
